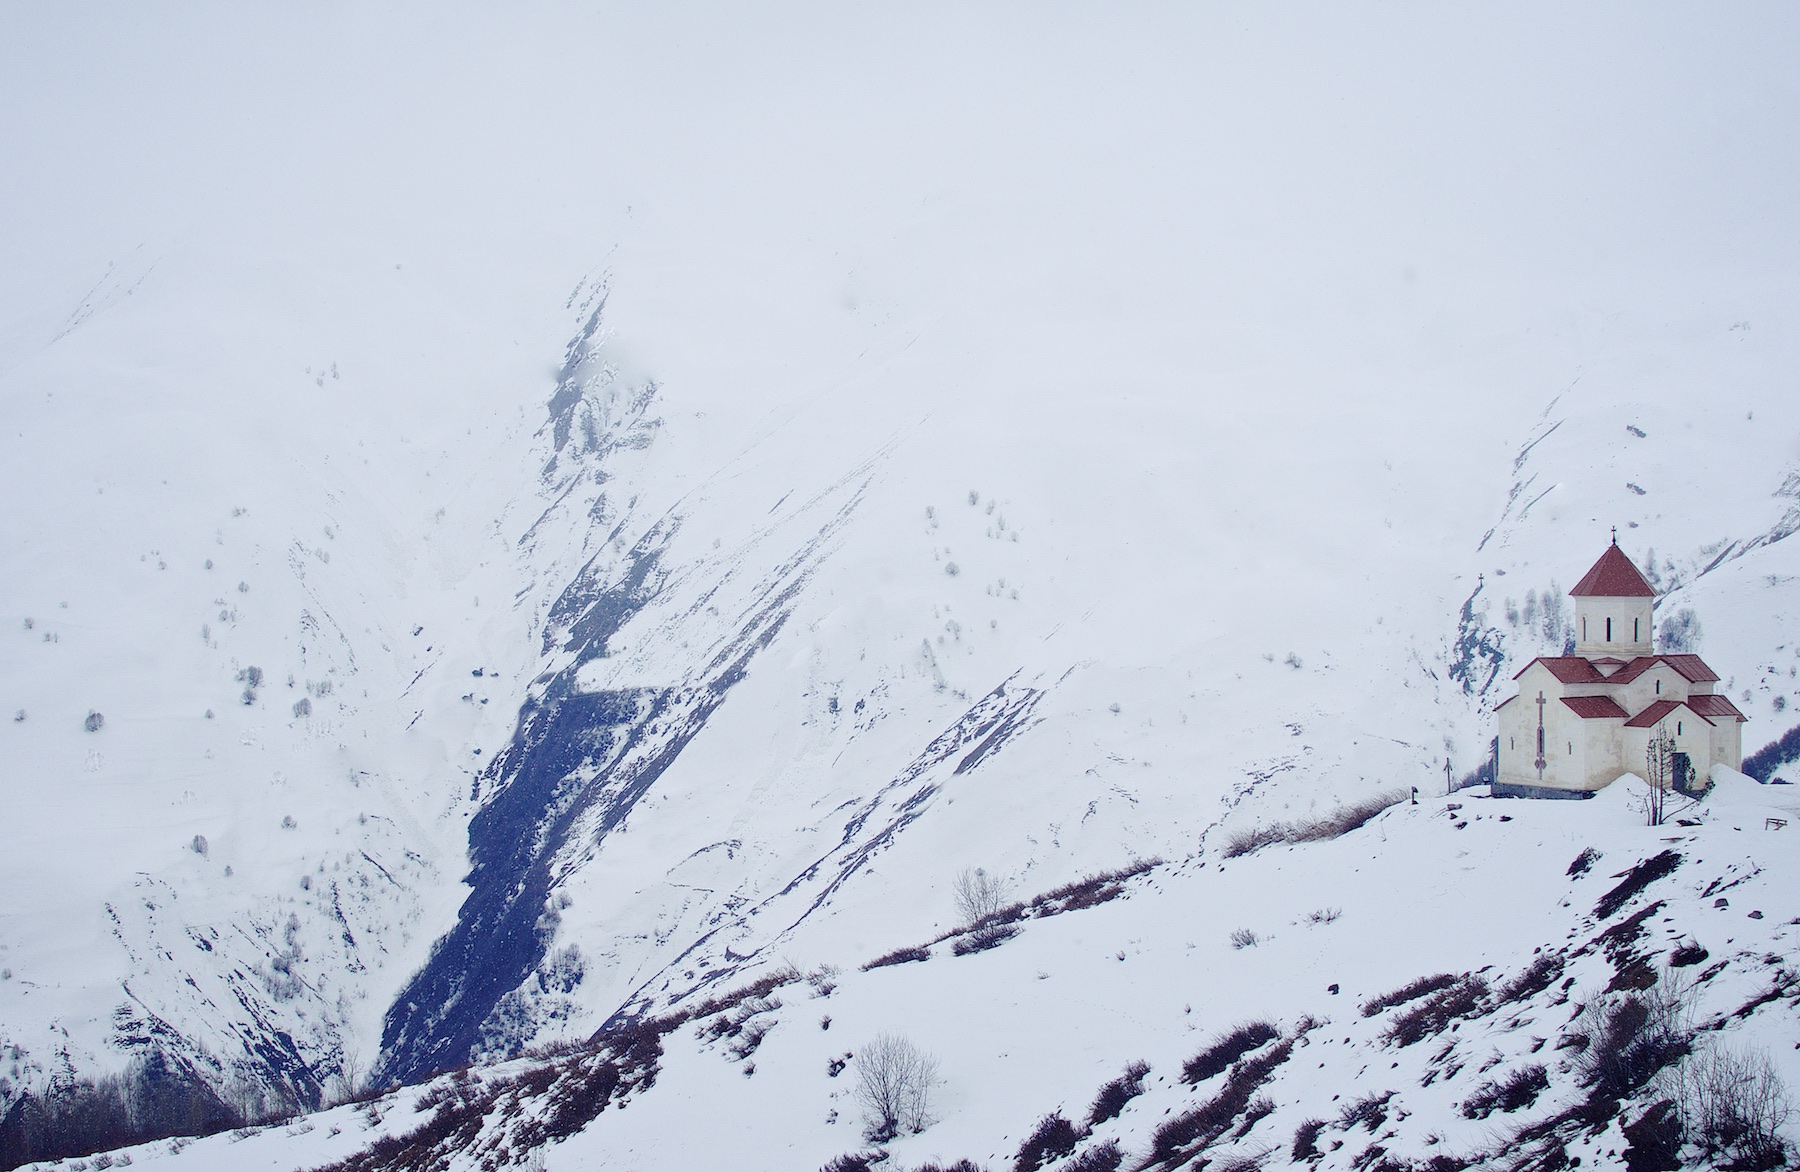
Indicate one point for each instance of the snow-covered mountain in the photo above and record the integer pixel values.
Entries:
(521, 526)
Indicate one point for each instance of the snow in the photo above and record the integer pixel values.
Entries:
(1219, 354)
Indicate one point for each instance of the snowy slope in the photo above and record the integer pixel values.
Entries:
(679, 521)
(1040, 1023)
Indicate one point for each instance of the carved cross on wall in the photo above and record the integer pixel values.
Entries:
(1540, 762)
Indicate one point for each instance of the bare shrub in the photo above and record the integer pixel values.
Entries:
(1514, 1092)
(1114, 1095)
(1105, 1157)
(1090, 890)
(1411, 991)
(1182, 1136)
(94, 722)
(1371, 1111)
(898, 956)
(1336, 824)
(1242, 1161)
(1632, 1037)
(1733, 1104)
(1254, 838)
(1536, 977)
(1053, 1138)
(894, 1080)
(1436, 1012)
(1244, 938)
(1344, 819)
(1226, 1049)
(989, 934)
(854, 1162)
(1306, 1140)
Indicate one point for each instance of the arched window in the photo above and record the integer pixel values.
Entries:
(1659, 687)
(1634, 630)
(1609, 629)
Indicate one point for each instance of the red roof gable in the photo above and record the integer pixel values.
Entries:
(1649, 717)
(1634, 669)
(1595, 707)
(1504, 703)
(1570, 669)
(1693, 667)
(1715, 707)
(1613, 576)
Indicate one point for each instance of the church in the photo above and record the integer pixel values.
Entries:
(1580, 721)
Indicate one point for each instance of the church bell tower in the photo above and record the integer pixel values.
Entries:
(1613, 604)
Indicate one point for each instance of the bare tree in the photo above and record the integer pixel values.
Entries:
(978, 894)
(894, 1079)
(1659, 771)
(347, 1081)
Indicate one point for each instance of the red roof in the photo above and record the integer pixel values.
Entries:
(1649, 717)
(1504, 703)
(1715, 707)
(1635, 668)
(1570, 669)
(1613, 576)
(1693, 667)
(1595, 707)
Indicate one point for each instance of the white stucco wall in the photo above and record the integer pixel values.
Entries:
(1590, 626)
(1644, 691)
(1578, 754)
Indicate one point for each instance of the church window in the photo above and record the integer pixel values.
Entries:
(1584, 630)
(1678, 728)
(1659, 687)
(1634, 630)
(1609, 629)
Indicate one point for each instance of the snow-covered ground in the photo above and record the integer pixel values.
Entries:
(1465, 886)
(719, 474)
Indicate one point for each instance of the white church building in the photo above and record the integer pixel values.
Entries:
(1580, 721)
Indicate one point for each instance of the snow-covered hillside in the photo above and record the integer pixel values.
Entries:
(552, 519)
(1534, 911)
